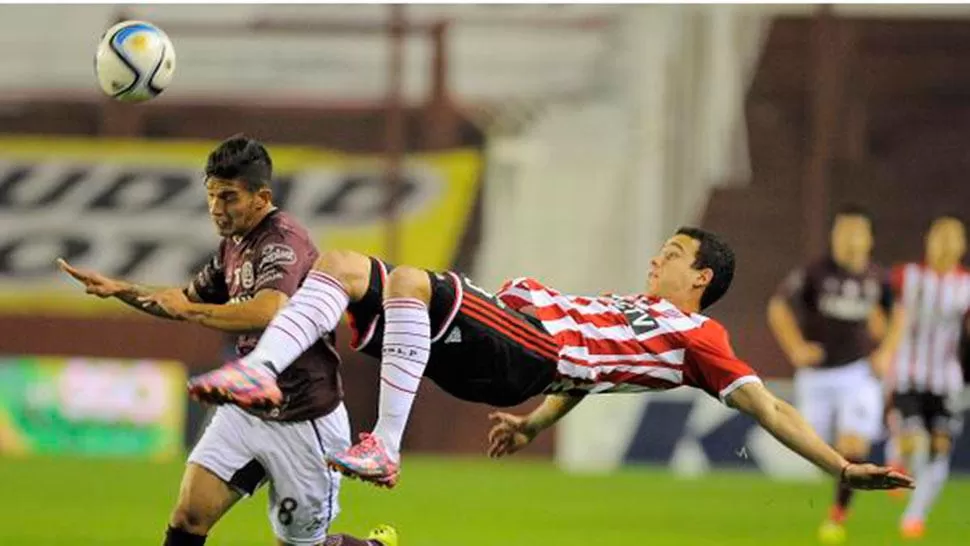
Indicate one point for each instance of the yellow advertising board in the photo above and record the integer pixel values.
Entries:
(136, 209)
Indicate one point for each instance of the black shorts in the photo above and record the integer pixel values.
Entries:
(931, 412)
(481, 351)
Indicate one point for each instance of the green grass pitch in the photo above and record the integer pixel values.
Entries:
(467, 502)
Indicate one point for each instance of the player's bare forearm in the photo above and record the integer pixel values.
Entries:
(783, 422)
(552, 409)
(784, 325)
(131, 296)
(513, 432)
(247, 316)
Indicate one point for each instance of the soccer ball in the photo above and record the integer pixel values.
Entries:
(135, 61)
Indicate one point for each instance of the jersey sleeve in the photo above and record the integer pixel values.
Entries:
(210, 281)
(796, 288)
(963, 349)
(711, 365)
(889, 293)
(282, 261)
(896, 275)
(894, 285)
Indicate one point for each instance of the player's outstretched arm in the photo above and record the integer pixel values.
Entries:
(246, 316)
(127, 292)
(510, 433)
(783, 422)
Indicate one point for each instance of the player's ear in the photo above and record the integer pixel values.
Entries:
(704, 277)
(264, 196)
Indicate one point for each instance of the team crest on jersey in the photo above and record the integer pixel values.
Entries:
(246, 276)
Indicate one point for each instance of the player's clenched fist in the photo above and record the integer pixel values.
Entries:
(509, 434)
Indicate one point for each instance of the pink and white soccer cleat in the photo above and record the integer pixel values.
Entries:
(239, 384)
(367, 460)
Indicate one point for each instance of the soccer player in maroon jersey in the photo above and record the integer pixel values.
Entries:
(262, 259)
(529, 339)
(823, 316)
(926, 377)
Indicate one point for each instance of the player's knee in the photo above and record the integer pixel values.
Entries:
(352, 269)
(408, 282)
(190, 521)
(940, 444)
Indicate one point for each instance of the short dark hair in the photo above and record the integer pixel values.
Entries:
(853, 209)
(241, 158)
(715, 254)
(948, 215)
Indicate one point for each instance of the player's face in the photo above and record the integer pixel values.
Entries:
(233, 208)
(946, 242)
(851, 239)
(672, 271)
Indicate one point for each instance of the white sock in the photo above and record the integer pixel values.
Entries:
(314, 310)
(929, 484)
(407, 344)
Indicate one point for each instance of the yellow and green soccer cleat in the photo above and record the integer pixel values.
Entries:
(385, 534)
(831, 533)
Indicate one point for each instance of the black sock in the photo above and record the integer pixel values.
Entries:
(178, 537)
(844, 493)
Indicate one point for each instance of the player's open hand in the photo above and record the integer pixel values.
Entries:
(509, 434)
(94, 282)
(870, 476)
(171, 300)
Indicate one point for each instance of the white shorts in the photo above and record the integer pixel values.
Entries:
(848, 398)
(246, 451)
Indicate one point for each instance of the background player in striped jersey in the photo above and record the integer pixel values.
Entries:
(926, 376)
(823, 316)
(487, 349)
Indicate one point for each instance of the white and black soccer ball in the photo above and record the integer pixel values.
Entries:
(135, 61)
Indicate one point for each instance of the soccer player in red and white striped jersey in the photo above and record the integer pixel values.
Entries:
(926, 373)
(657, 341)
(530, 339)
(630, 343)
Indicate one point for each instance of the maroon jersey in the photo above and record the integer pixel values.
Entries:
(277, 254)
(833, 307)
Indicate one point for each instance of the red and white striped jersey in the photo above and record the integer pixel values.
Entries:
(630, 343)
(936, 306)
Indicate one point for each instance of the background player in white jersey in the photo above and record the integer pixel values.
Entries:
(823, 316)
(926, 376)
(263, 257)
(572, 347)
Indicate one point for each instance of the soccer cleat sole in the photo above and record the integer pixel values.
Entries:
(218, 396)
(386, 482)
